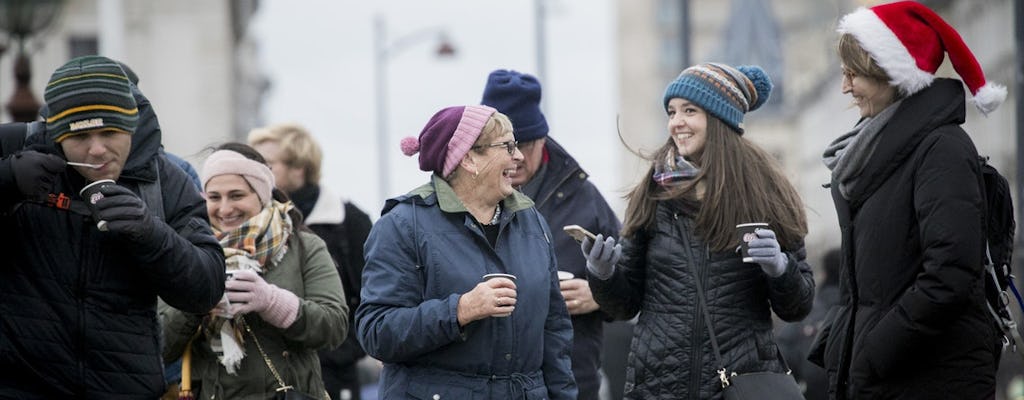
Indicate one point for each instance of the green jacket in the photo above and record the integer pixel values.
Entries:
(322, 324)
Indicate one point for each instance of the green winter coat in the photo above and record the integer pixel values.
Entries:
(322, 323)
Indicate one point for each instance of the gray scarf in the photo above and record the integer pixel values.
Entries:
(848, 154)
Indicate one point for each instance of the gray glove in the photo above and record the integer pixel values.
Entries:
(601, 254)
(766, 252)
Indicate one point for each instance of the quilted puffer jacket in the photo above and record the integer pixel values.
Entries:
(671, 355)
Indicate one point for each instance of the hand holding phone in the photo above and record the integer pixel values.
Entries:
(577, 232)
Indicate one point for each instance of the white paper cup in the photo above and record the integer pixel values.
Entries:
(492, 276)
(565, 275)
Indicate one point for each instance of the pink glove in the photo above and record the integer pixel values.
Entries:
(248, 292)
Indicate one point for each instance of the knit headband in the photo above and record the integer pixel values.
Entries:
(227, 162)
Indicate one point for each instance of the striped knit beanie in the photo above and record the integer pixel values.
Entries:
(89, 93)
(447, 138)
(723, 91)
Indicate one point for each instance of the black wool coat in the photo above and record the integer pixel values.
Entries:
(911, 322)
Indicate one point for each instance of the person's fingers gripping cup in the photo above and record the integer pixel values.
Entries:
(502, 302)
(91, 194)
(747, 233)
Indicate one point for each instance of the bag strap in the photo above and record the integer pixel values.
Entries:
(152, 194)
(185, 387)
(282, 387)
(702, 304)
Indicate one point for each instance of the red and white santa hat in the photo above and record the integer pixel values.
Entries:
(909, 41)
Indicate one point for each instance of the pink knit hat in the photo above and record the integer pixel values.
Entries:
(227, 162)
(447, 137)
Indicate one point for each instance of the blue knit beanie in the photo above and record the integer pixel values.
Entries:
(517, 95)
(723, 91)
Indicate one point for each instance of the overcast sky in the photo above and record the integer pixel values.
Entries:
(319, 57)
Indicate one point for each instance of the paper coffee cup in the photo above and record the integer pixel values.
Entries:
(746, 234)
(91, 194)
(492, 276)
(565, 275)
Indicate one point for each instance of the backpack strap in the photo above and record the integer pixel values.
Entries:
(152, 196)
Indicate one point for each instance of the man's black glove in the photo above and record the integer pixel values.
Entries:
(35, 172)
(125, 214)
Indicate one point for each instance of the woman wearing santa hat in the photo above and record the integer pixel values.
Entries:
(912, 322)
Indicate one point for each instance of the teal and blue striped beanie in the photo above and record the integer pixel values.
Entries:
(87, 93)
(723, 91)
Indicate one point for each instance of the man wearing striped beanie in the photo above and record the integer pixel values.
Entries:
(81, 277)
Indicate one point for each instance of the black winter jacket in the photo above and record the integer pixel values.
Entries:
(670, 354)
(911, 322)
(78, 315)
(566, 197)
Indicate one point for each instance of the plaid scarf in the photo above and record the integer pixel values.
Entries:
(673, 170)
(262, 238)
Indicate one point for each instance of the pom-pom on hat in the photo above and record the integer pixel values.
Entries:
(723, 91)
(227, 162)
(87, 93)
(517, 95)
(909, 41)
(447, 138)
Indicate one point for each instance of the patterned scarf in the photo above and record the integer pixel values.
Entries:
(262, 238)
(673, 170)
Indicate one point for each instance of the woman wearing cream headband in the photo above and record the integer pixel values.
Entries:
(283, 298)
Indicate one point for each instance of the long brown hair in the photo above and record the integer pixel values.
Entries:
(742, 183)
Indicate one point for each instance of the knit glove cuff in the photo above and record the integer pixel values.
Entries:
(282, 308)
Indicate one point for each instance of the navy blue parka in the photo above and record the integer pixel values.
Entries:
(422, 255)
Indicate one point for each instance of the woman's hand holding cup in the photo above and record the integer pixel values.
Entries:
(495, 296)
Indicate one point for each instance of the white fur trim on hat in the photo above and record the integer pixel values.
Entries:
(887, 50)
(989, 97)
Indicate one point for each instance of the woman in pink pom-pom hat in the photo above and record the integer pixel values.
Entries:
(460, 295)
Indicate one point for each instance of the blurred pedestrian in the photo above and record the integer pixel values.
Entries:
(563, 195)
(443, 330)
(906, 183)
(295, 158)
(283, 300)
(81, 285)
(680, 236)
(795, 338)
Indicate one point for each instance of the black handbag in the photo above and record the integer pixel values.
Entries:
(284, 391)
(753, 385)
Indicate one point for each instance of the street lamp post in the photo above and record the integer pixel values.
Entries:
(383, 51)
(21, 19)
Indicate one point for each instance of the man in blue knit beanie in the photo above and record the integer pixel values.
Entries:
(564, 196)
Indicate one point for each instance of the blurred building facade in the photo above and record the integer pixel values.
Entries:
(795, 41)
(196, 62)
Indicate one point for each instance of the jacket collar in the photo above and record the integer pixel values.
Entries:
(328, 209)
(439, 192)
(941, 103)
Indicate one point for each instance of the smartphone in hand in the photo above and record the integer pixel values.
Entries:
(577, 232)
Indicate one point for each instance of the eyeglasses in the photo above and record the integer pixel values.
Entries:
(510, 146)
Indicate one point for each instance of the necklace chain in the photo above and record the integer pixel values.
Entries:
(497, 214)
